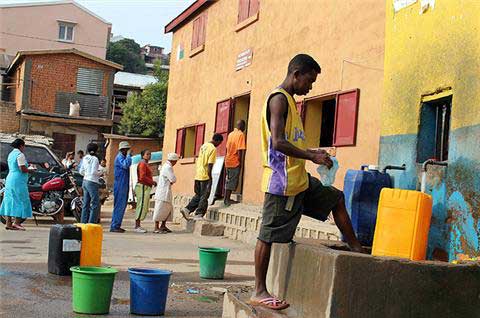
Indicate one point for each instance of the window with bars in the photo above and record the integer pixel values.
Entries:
(65, 31)
(434, 130)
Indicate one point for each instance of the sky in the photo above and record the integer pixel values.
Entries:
(141, 20)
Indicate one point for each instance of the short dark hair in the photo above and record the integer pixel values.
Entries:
(80, 152)
(143, 152)
(92, 148)
(17, 143)
(303, 63)
(217, 137)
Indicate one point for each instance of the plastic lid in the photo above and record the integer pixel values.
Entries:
(373, 167)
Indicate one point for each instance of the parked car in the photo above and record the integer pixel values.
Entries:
(47, 164)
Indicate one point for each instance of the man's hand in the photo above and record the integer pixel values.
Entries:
(320, 157)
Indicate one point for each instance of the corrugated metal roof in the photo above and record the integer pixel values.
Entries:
(5, 60)
(133, 80)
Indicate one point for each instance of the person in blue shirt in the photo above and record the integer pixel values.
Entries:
(121, 183)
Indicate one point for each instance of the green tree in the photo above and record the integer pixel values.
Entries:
(127, 53)
(144, 113)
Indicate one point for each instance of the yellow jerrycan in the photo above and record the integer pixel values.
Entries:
(403, 223)
(91, 250)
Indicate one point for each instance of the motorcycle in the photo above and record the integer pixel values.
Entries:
(54, 196)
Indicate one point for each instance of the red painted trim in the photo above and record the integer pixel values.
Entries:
(357, 106)
(185, 15)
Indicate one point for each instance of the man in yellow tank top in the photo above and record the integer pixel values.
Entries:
(289, 190)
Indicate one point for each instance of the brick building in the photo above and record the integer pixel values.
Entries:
(46, 82)
(9, 119)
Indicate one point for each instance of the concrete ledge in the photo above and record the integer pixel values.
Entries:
(242, 222)
(319, 279)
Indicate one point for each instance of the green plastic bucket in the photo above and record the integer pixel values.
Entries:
(92, 289)
(212, 262)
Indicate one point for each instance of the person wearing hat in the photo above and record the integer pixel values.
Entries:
(121, 183)
(163, 210)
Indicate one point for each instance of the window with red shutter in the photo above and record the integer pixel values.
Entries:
(346, 118)
(301, 110)
(223, 123)
(247, 9)
(253, 8)
(243, 10)
(199, 31)
(180, 140)
(199, 137)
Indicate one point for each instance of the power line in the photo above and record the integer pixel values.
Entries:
(49, 40)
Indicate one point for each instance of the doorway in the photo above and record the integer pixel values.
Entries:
(63, 143)
(227, 114)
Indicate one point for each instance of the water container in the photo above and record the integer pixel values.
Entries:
(64, 248)
(92, 289)
(362, 192)
(403, 223)
(148, 291)
(92, 237)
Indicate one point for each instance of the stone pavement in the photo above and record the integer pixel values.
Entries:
(27, 290)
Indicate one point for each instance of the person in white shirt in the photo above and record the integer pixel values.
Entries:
(102, 168)
(90, 185)
(163, 195)
(69, 161)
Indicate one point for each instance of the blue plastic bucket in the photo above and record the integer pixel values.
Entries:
(148, 291)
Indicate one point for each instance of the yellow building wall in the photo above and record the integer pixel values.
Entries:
(430, 54)
(436, 50)
(345, 37)
(313, 123)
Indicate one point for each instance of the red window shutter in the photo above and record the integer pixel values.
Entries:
(346, 118)
(195, 33)
(301, 110)
(180, 140)
(254, 4)
(203, 29)
(199, 137)
(222, 123)
(243, 7)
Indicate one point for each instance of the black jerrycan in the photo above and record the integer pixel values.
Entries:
(64, 247)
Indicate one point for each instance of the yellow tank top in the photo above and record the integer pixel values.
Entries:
(283, 175)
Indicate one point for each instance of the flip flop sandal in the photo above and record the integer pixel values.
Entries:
(270, 303)
(19, 227)
(11, 228)
(167, 230)
(163, 232)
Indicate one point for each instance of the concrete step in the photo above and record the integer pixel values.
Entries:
(234, 307)
(208, 228)
(203, 227)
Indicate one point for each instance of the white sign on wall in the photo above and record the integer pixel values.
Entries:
(400, 4)
(244, 59)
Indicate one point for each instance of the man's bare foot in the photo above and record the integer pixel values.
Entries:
(357, 248)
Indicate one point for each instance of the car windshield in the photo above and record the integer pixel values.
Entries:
(35, 155)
